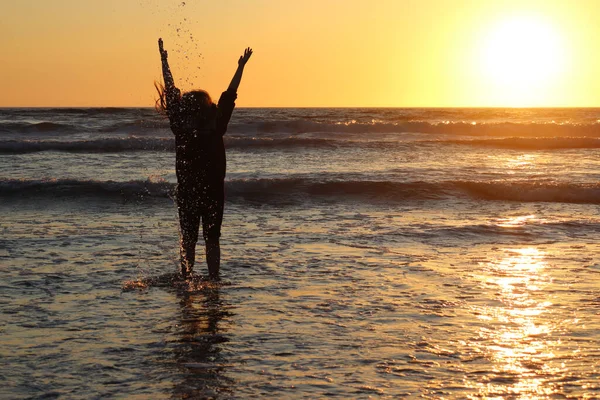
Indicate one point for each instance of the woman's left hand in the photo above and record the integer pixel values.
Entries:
(244, 59)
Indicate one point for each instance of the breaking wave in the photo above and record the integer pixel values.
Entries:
(295, 190)
(301, 188)
(74, 188)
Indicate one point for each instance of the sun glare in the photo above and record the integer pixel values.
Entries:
(522, 58)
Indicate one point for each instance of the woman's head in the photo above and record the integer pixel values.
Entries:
(197, 102)
(194, 102)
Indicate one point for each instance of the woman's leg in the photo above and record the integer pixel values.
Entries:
(189, 222)
(212, 219)
(213, 257)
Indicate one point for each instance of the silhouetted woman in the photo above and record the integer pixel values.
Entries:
(199, 125)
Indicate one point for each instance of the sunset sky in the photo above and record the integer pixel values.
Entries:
(396, 53)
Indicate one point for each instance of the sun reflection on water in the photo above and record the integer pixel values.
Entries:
(521, 161)
(513, 222)
(517, 335)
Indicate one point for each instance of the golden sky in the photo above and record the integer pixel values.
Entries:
(396, 53)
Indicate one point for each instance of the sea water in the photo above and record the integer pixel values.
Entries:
(432, 253)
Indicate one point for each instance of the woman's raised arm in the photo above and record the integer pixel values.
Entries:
(171, 92)
(237, 77)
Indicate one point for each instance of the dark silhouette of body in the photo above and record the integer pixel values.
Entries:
(199, 125)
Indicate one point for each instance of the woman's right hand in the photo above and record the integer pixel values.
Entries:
(163, 52)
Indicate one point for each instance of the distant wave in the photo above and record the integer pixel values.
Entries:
(294, 190)
(130, 144)
(516, 143)
(521, 143)
(135, 126)
(453, 128)
(39, 127)
(138, 126)
(287, 142)
(147, 122)
(87, 146)
(133, 143)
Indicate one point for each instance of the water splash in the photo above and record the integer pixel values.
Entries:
(194, 283)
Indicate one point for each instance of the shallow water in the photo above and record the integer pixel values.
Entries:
(328, 300)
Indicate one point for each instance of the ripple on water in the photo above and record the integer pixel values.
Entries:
(314, 309)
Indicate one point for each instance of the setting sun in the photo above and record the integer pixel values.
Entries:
(523, 58)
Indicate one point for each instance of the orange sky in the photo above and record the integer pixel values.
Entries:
(398, 53)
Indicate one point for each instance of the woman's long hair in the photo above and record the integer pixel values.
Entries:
(160, 104)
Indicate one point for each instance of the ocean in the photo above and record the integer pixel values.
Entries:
(366, 253)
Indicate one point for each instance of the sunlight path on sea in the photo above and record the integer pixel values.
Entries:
(518, 335)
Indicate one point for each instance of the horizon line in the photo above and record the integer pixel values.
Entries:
(339, 107)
